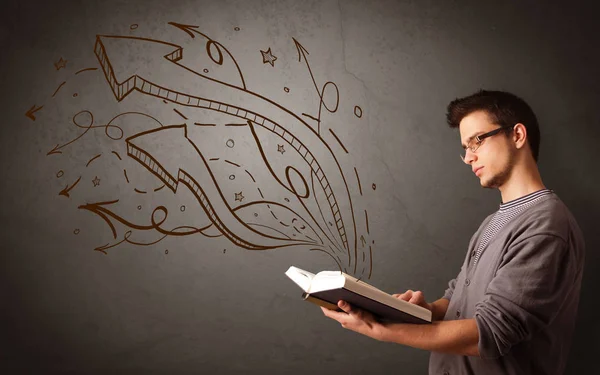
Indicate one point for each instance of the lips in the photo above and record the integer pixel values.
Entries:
(476, 170)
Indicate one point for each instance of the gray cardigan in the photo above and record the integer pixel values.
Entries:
(523, 293)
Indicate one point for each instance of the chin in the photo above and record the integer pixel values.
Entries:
(485, 184)
(491, 183)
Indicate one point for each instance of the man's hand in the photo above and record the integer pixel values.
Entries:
(356, 320)
(416, 298)
(459, 337)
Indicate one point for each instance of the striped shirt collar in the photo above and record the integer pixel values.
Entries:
(524, 199)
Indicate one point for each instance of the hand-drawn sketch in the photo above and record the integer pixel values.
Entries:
(265, 179)
(268, 57)
(60, 64)
(30, 113)
(68, 188)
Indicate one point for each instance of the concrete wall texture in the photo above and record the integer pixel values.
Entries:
(165, 162)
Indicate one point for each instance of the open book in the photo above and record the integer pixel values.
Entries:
(326, 288)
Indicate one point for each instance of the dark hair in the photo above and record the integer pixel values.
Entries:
(503, 108)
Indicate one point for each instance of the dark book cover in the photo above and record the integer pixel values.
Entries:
(381, 311)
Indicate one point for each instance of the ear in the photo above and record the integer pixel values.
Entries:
(519, 135)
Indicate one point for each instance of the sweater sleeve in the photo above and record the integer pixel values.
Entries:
(450, 290)
(452, 283)
(532, 282)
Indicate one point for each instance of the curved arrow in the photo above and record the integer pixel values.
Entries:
(230, 99)
(68, 188)
(190, 172)
(193, 31)
(56, 149)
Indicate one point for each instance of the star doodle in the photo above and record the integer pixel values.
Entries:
(96, 181)
(280, 149)
(60, 64)
(268, 57)
(239, 196)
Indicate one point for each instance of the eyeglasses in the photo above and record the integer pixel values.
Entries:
(476, 141)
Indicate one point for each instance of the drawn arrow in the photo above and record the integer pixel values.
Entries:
(192, 31)
(154, 77)
(99, 210)
(302, 52)
(56, 149)
(68, 188)
(190, 171)
(33, 110)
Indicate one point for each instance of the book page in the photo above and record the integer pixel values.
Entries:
(301, 277)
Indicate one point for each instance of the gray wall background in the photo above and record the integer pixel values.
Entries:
(208, 306)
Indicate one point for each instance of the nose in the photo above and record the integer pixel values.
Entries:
(469, 156)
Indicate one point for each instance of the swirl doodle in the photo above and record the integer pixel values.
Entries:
(294, 192)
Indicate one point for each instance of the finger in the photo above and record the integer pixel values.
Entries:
(417, 298)
(345, 306)
(406, 295)
(354, 313)
(335, 315)
(351, 310)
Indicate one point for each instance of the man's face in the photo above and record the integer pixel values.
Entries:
(494, 159)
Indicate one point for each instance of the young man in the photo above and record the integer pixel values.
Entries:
(512, 307)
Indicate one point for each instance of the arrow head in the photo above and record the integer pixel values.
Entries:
(68, 188)
(102, 249)
(31, 111)
(55, 150)
(65, 191)
(125, 58)
(301, 50)
(187, 28)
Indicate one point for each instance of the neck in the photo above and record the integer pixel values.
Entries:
(524, 179)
